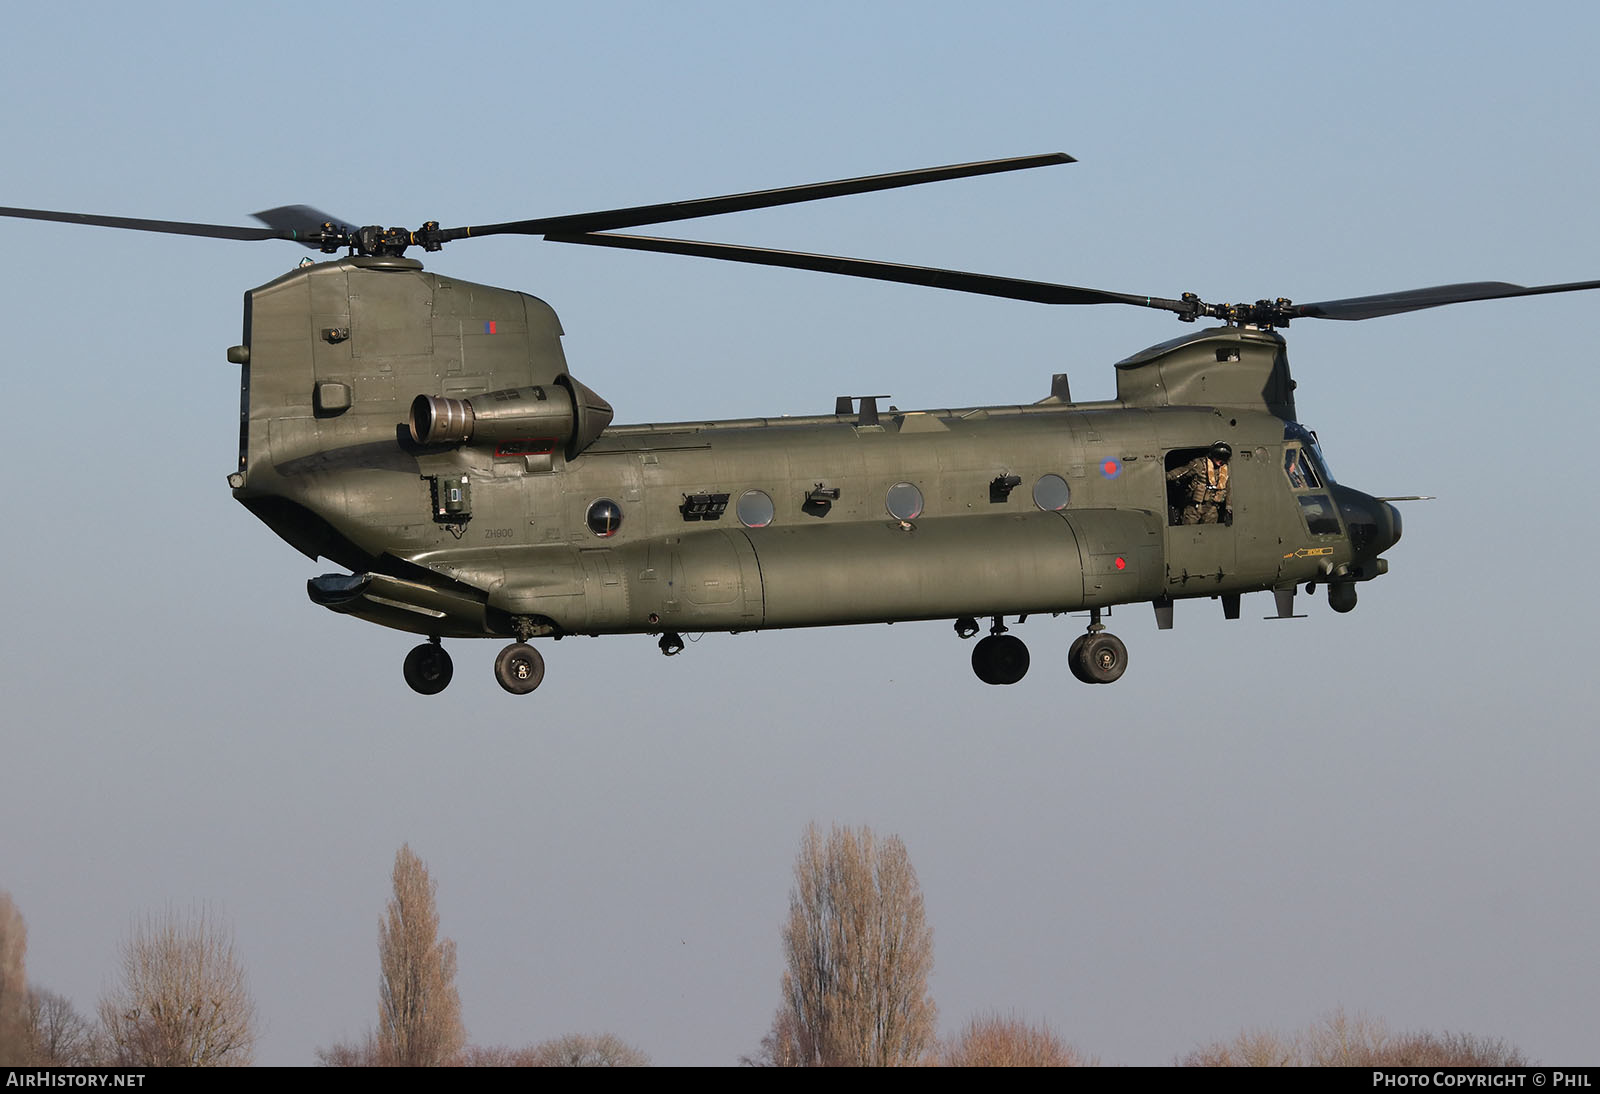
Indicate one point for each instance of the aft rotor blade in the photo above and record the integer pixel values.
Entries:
(1010, 288)
(167, 227)
(608, 219)
(1371, 307)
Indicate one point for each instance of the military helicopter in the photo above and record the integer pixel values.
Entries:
(426, 434)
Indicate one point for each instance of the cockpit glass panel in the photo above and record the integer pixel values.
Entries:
(1321, 519)
(1314, 450)
(1299, 470)
(1296, 434)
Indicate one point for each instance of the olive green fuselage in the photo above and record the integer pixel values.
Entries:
(590, 528)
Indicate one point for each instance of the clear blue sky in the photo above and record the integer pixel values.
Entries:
(1391, 811)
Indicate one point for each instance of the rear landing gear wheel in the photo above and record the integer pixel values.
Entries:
(1000, 659)
(1102, 659)
(428, 669)
(519, 668)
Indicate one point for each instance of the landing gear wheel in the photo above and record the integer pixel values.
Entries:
(519, 668)
(1075, 658)
(1102, 659)
(671, 643)
(1000, 659)
(428, 669)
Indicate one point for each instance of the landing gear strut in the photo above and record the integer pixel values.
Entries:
(519, 668)
(1098, 657)
(1000, 658)
(671, 643)
(428, 668)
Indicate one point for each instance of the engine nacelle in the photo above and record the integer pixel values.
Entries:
(517, 421)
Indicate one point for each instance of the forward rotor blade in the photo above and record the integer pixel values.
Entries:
(1371, 307)
(304, 220)
(1010, 288)
(607, 219)
(166, 227)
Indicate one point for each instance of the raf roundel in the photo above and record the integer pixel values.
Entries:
(1111, 468)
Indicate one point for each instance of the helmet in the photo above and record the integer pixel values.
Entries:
(1221, 451)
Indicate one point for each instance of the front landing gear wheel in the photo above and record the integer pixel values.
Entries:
(1102, 659)
(519, 668)
(428, 669)
(1075, 658)
(1000, 659)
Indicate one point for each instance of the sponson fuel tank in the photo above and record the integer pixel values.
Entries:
(830, 574)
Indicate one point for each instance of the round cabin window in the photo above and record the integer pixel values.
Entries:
(605, 517)
(1051, 492)
(904, 501)
(755, 509)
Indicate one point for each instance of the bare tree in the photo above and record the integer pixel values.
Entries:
(183, 999)
(61, 1036)
(994, 1041)
(781, 1045)
(16, 1046)
(1338, 1039)
(858, 951)
(419, 1010)
(1251, 1048)
(1449, 1050)
(573, 1050)
(588, 1050)
(1341, 1040)
(495, 1056)
(362, 1053)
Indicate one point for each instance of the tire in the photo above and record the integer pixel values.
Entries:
(1103, 658)
(519, 668)
(1000, 659)
(1075, 659)
(428, 669)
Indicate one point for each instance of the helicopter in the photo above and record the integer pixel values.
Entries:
(425, 434)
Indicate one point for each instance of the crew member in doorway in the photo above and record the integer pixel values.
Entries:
(1203, 482)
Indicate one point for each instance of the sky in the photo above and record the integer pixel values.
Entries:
(1390, 812)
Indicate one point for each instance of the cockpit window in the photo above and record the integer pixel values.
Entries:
(1314, 450)
(1321, 518)
(1298, 435)
(1298, 467)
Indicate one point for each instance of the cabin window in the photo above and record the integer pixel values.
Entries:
(904, 501)
(1051, 493)
(755, 509)
(605, 517)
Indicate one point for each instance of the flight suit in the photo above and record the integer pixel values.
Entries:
(1205, 483)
